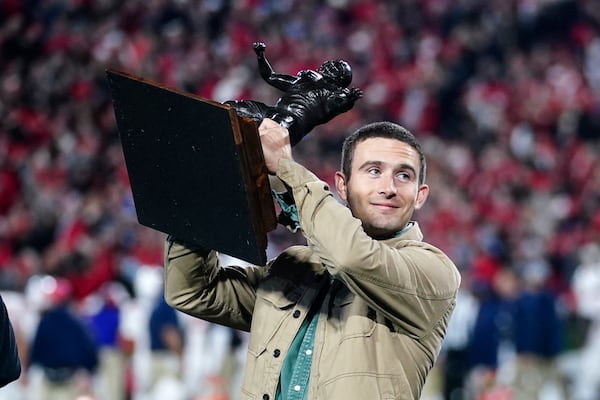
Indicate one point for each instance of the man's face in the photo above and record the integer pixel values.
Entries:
(383, 189)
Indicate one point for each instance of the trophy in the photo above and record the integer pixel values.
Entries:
(196, 166)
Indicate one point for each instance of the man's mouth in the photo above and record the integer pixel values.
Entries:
(384, 206)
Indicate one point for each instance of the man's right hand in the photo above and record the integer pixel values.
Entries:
(275, 140)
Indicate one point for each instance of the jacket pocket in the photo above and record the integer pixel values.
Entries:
(353, 317)
(273, 300)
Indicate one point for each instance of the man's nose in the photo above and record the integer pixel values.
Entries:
(388, 186)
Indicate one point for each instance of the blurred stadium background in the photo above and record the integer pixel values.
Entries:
(503, 94)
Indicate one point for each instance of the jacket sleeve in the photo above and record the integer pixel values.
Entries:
(10, 364)
(411, 282)
(196, 284)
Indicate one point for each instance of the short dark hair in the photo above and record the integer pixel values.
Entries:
(382, 129)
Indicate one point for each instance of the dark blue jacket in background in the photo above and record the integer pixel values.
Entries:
(62, 341)
(538, 329)
(10, 365)
(162, 315)
(492, 326)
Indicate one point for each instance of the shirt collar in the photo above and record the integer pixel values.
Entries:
(405, 229)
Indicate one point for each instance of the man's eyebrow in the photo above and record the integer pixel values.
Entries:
(409, 167)
(370, 163)
(376, 163)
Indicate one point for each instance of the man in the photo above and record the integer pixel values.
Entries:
(10, 364)
(358, 313)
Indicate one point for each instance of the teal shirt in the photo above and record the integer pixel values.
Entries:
(295, 371)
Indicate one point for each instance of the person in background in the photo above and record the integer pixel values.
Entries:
(104, 320)
(360, 312)
(586, 286)
(538, 334)
(63, 346)
(491, 340)
(10, 363)
(455, 350)
(166, 346)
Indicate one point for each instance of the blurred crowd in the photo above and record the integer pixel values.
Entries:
(503, 94)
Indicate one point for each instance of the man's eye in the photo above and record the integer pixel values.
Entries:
(374, 171)
(404, 176)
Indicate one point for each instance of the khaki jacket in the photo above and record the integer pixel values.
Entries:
(382, 318)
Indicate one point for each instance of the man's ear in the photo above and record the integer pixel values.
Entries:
(422, 195)
(341, 185)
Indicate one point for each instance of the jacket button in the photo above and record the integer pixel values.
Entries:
(276, 353)
(265, 396)
(296, 314)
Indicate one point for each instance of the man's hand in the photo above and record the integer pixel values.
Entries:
(275, 140)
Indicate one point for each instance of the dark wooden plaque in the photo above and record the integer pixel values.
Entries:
(196, 168)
